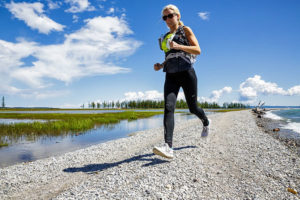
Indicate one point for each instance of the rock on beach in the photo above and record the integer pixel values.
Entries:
(238, 160)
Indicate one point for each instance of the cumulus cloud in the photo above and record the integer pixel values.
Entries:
(79, 6)
(148, 95)
(294, 90)
(254, 86)
(90, 51)
(217, 94)
(32, 15)
(204, 15)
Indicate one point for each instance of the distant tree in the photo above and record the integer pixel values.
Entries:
(146, 104)
(82, 106)
(3, 102)
(118, 104)
(93, 105)
(104, 104)
(112, 104)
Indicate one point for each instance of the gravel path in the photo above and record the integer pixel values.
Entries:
(236, 161)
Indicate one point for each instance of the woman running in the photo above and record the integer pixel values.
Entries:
(181, 47)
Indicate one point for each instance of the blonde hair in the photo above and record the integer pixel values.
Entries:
(176, 11)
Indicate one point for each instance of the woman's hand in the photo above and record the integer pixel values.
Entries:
(174, 45)
(158, 66)
(193, 48)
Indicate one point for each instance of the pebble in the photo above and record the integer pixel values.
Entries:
(237, 160)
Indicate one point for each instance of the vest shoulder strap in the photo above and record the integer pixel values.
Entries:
(184, 35)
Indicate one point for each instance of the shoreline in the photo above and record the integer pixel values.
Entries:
(285, 136)
(237, 151)
(17, 153)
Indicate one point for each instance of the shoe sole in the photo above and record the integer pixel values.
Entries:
(157, 152)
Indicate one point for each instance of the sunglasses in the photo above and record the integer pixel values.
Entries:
(170, 16)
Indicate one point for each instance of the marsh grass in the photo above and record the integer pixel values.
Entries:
(60, 124)
(3, 144)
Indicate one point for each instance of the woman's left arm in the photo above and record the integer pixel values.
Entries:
(194, 47)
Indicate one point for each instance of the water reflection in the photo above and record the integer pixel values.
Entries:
(14, 121)
(40, 147)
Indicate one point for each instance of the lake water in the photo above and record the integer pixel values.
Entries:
(44, 147)
(86, 111)
(291, 117)
(14, 121)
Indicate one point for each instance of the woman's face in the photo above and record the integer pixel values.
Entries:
(170, 21)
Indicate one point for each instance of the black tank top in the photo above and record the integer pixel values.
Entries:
(174, 65)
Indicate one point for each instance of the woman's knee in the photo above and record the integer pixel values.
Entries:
(170, 107)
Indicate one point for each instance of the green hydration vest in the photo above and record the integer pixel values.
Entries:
(165, 45)
(180, 38)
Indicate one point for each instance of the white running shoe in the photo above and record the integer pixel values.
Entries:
(164, 151)
(205, 130)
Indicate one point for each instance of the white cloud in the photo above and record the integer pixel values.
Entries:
(253, 86)
(294, 90)
(204, 15)
(148, 95)
(41, 94)
(75, 18)
(7, 89)
(69, 105)
(216, 95)
(90, 51)
(32, 15)
(32, 93)
(53, 5)
(180, 96)
(111, 11)
(79, 6)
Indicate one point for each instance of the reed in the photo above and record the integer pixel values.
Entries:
(3, 144)
(58, 124)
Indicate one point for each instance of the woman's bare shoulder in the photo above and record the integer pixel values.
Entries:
(187, 30)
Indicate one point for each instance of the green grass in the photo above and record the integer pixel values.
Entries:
(3, 144)
(60, 124)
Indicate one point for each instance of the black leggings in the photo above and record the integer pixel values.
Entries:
(188, 81)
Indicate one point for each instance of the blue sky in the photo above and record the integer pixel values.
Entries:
(66, 53)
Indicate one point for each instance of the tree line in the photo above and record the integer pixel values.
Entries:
(235, 105)
(146, 104)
